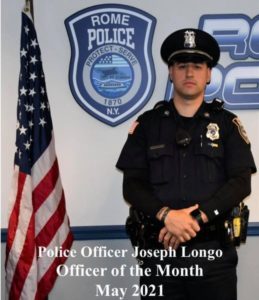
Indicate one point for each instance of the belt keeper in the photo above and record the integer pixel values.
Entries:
(165, 213)
(196, 214)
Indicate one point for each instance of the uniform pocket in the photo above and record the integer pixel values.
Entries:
(210, 164)
(160, 159)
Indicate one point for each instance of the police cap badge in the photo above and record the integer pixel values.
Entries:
(190, 44)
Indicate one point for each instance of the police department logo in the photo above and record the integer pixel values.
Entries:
(112, 76)
(111, 70)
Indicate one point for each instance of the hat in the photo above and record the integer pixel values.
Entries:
(192, 45)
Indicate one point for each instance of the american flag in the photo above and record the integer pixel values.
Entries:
(37, 206)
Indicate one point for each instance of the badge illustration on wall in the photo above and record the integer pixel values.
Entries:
(111, 72)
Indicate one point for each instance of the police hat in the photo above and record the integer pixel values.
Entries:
(190, 44)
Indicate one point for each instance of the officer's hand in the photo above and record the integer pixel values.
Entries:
(168, 239)
(181, 224)
(204, 217)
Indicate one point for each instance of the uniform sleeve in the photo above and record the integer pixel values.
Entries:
(237, 146)
(133, 154)
(239, 165)
(229, 195)
(137, 190)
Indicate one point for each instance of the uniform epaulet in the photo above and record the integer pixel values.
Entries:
(160, 104)
(216, 104)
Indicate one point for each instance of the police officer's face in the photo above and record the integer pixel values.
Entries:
(189, 79)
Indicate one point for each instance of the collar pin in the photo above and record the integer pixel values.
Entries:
(166, 113)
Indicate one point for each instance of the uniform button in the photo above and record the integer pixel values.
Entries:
(184, 176)
(184, 154)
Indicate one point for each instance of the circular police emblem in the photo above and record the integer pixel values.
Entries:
(111, 79)
(212, 131)
(112, 76)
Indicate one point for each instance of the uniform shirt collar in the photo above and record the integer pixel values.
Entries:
(203, 112)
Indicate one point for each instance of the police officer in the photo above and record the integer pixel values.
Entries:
(186, 164)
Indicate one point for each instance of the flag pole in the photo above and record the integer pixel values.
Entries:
(29, 7)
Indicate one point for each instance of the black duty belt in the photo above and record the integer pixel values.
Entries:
(212, 232)
(144, 231)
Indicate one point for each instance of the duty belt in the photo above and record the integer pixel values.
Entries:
(144, 230)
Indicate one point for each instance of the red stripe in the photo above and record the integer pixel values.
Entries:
(14, 217)
(48, 280)
(24, 264)
(47, 233)
(45, 187)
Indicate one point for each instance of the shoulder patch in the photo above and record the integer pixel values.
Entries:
(241, 129)
(133, 127)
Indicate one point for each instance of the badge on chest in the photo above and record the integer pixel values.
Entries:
(212, 131)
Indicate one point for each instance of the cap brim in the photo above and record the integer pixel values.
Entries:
(190, 57)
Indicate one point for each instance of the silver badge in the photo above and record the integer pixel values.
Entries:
(206, 114)
(213, 131)
(189, 39)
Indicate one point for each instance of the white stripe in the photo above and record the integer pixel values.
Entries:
(45, 261)
(48, 208)
(30, 286)
(25, 214)
(14, 190)
(13, 194)
(43, 164)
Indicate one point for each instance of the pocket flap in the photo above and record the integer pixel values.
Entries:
(156, 151)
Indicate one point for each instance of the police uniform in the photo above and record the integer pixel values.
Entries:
(182, 176)
(175, 161)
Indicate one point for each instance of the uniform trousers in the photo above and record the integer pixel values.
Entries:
(218, 280)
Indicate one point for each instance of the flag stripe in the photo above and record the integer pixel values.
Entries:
(30, 285)
(42, 165)
(45, 211)
(47, 281)
(45, 261)
(45, 187)
(25, 215)
(48, 231)
(13, 220)
(24, 264)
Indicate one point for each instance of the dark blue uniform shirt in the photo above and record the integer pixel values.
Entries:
(213, 170)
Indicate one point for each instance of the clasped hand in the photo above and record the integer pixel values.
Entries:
(180, 227)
